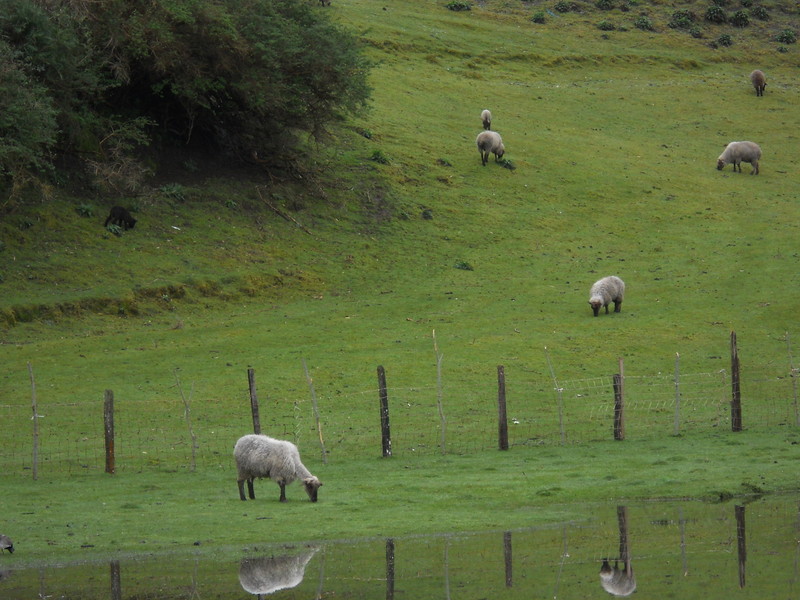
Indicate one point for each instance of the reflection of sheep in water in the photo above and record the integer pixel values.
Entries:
(263, 456)
(615, 581)
(268, 574)
(486, 118)
(6, 544)
(607, 290)
(739, 152)
(490, 142)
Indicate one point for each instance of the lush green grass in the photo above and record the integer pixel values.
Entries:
(155, 510)
(614, 139)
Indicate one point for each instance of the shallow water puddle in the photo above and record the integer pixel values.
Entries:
(655, 550)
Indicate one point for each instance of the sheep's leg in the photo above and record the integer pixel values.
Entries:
(283, 492)
(240, 483)
(250, 489)
(617, 306)
(755, 168)
(606, 308)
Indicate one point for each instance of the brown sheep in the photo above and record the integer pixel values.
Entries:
(759, 81)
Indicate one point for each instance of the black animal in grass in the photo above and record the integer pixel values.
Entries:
(120, 216)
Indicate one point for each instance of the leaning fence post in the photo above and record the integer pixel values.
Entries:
(108, 422)
(619, 404)
(502, 418)
(736, 396)
(386, 436)
(251, 382)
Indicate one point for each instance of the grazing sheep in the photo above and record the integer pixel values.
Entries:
(616, 581)
(759, 81)
(490, 141)
(607, 290)
(739, 152)
(120, 216)
(263, 456)
(486, 117)
(268, 574)
(6, 544)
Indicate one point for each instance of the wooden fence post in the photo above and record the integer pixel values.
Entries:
(251, 382)
(502, 417)
(315, 408)
(108, 422)
(619, 408)
(736, 396)
(386, 436)
(35, 425)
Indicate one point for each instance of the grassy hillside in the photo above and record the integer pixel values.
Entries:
(613, 138)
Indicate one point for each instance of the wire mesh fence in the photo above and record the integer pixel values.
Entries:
(455, 417)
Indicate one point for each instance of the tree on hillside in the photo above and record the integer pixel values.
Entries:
(234, 76)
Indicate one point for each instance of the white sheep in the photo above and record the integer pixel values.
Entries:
(266, 575)
(490, 141)
(759, 81)
(486, 117)
(739, 152)
(263, 456)
(607, 290)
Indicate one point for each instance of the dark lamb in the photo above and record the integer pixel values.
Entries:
(120, 216)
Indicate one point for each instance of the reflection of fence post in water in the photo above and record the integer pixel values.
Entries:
(741, 543)
(116, 585)
(389, 569)
(622, 521)
(507, 555)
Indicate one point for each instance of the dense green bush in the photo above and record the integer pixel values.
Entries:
(740, 18)
(563, 6)
(539, 17)
(605, 26)
(715, 14)
(644, 23)
(759, 12)
(682, 19)
(459, 5)
(232, 76)
(28, 125)
(604, 4)
(725, 40)
(787, 36)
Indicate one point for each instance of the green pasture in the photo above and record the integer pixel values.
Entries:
(613, 139)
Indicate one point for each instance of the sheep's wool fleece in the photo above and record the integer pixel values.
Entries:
(263, 456)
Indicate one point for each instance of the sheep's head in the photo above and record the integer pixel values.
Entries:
(500, 151)
(720, 164)
(596, 305)
(312, 484)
